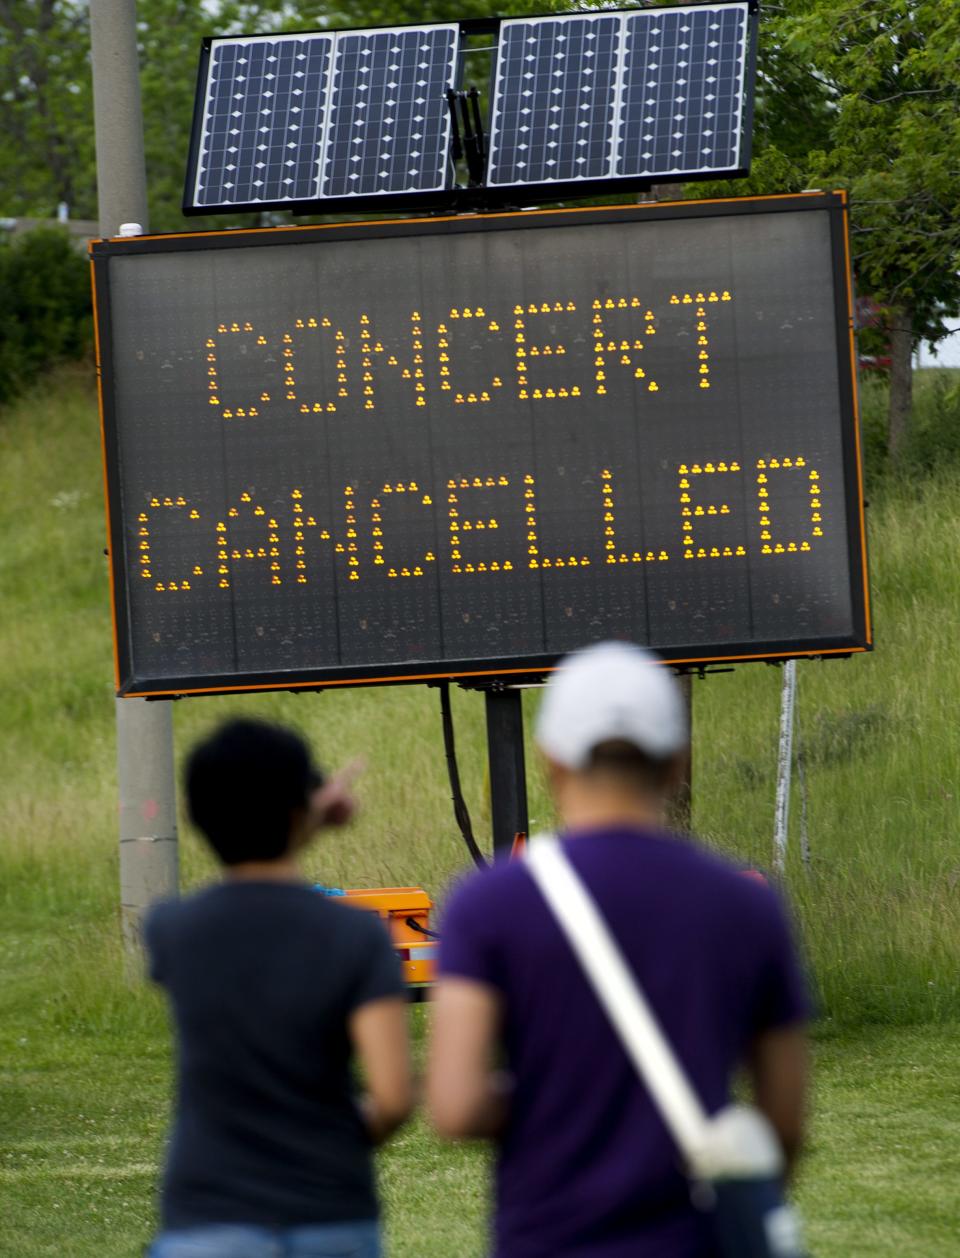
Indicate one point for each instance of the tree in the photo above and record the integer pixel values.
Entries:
(46, 112)
(883, 80)
(47, 152)
(895, 68)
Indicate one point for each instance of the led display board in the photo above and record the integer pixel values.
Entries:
(462, 447)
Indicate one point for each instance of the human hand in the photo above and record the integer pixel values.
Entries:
(333, 803)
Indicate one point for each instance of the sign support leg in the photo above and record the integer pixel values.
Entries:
(148, 811)
(148, 827)
(784, 765)
(802, 783)
(508, 776)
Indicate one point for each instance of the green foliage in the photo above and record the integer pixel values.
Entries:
(772, 171)
(46, 110)
(46, 100)
(874, 107)
(45, 310)
(396, 12)
(863, 94)
(932, 445)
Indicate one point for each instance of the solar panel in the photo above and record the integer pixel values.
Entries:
(553, 105)
(263, 119)
(389, 127)
(306, 117)
(619, 95)
(683, 81)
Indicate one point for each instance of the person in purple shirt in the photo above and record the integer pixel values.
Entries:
(521, 1050)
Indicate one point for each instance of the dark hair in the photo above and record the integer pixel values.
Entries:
(624, 760)
(244, 784)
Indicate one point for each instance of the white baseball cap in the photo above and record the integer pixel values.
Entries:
(611, 691)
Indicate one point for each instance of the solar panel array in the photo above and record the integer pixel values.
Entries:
(631, 94)
(304, 117)
(650, 93)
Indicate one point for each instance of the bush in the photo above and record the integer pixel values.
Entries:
(932, 442)
(45, 310)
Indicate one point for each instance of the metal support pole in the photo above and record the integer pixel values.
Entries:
(784, 765)
(148, 826)
(802, 783)
(508, 775)
(804, 825)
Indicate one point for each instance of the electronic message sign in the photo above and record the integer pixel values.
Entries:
(460, 448)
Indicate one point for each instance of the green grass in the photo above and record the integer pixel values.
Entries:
(880, 908)
(84, 1058)
(85, 1104)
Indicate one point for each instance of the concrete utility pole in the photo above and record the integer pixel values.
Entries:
(145, 774)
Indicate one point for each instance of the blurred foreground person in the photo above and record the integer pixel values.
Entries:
(274, 988)
(522, 1051)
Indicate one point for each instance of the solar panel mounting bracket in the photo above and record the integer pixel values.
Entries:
(466, 122)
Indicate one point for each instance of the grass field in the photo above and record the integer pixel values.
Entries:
(84, 1059)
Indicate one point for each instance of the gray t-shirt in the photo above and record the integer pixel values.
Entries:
(262, 978)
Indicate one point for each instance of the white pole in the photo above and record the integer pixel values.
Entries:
(148, 823)
(784, 761)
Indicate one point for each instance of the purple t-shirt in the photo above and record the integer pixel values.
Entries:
(586, 1168)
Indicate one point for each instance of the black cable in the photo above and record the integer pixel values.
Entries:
(460, 810)
(474, 98)
(422, 930)
(472, 143)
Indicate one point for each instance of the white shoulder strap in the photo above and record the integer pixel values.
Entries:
(618, 992)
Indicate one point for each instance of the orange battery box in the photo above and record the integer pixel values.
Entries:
(405, 912)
